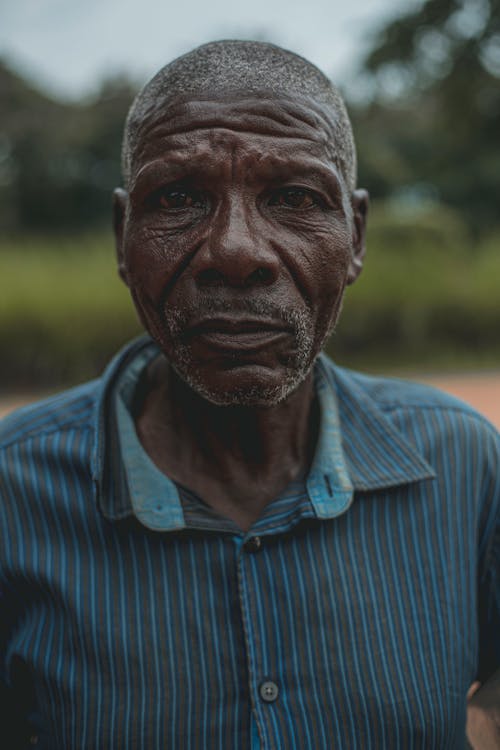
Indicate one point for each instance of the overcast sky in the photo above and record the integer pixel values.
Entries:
(69, 45)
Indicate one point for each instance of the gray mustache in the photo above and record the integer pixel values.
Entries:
(177, 318)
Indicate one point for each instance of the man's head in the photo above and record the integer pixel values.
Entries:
(241, 225)
(222, 68)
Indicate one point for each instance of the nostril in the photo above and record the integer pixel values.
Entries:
(210, 277)
(261, 275)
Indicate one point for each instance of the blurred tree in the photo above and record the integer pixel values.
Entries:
(58, 161)
(433, 127)
(431, 131)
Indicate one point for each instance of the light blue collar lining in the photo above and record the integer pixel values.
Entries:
(155, 498)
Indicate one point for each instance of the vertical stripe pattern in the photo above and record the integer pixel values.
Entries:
(370, 622)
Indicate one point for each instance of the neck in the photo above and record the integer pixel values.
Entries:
(258, 437)
(252, 452)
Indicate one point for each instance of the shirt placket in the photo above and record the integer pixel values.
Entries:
(264, 687)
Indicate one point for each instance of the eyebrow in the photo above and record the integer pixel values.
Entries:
(327, 173)
(178, 167)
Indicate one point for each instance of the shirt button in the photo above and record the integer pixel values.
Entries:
(253, 544)
(269, 691)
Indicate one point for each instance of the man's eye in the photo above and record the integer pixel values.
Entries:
(294, 198)
(172, 199)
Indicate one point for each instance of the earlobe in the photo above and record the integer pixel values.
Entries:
(359, 203)
(120, 200)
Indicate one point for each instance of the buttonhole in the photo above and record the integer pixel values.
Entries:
(328, 485)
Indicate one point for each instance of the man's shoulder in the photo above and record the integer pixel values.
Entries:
(385, 420)
(409, 406)
(398, 394)
(76, 408)
(71, 409)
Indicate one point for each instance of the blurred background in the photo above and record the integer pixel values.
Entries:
(422, 83)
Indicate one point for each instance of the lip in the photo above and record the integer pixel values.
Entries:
(237, 334)
(237, 325)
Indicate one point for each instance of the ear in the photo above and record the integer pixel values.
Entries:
(120, 201)
(359, 203)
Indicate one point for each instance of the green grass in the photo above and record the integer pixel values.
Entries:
(63, 309)
(428, 299)
(424, 304)
(50, 277)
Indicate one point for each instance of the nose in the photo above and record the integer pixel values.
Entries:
(237, 251)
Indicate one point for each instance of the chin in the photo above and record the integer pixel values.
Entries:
(247, 387)
(261, 378)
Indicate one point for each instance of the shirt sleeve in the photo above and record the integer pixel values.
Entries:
(16, 698)
(16, 689)
(489, 555)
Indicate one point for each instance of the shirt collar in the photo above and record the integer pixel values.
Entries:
(358, 449)
(377, 454)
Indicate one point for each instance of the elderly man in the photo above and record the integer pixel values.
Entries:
(227, 541)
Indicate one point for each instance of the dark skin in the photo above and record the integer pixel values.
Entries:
(224, 215)
(236, 459)
(483, 714)
(238, 223)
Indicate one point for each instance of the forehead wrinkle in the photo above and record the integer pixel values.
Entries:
(294, 122)
(180, 150)
(162, 131)
(262, 113)
(278, 118)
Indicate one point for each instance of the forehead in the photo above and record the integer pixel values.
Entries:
(279, 126)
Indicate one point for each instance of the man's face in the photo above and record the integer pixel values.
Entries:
(237, 240)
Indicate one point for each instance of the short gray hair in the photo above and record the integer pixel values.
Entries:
(252, 67)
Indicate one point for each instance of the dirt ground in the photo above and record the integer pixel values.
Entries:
(482, 391)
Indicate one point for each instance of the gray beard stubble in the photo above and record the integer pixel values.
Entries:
(175, 322)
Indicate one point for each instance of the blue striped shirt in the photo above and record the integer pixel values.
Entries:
(355, 613)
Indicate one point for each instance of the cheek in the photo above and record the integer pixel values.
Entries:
(333, 257)
(321, 260)
(153, 258)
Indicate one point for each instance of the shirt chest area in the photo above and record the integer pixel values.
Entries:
(348, 628)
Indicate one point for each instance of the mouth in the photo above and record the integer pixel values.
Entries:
(234, 334)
